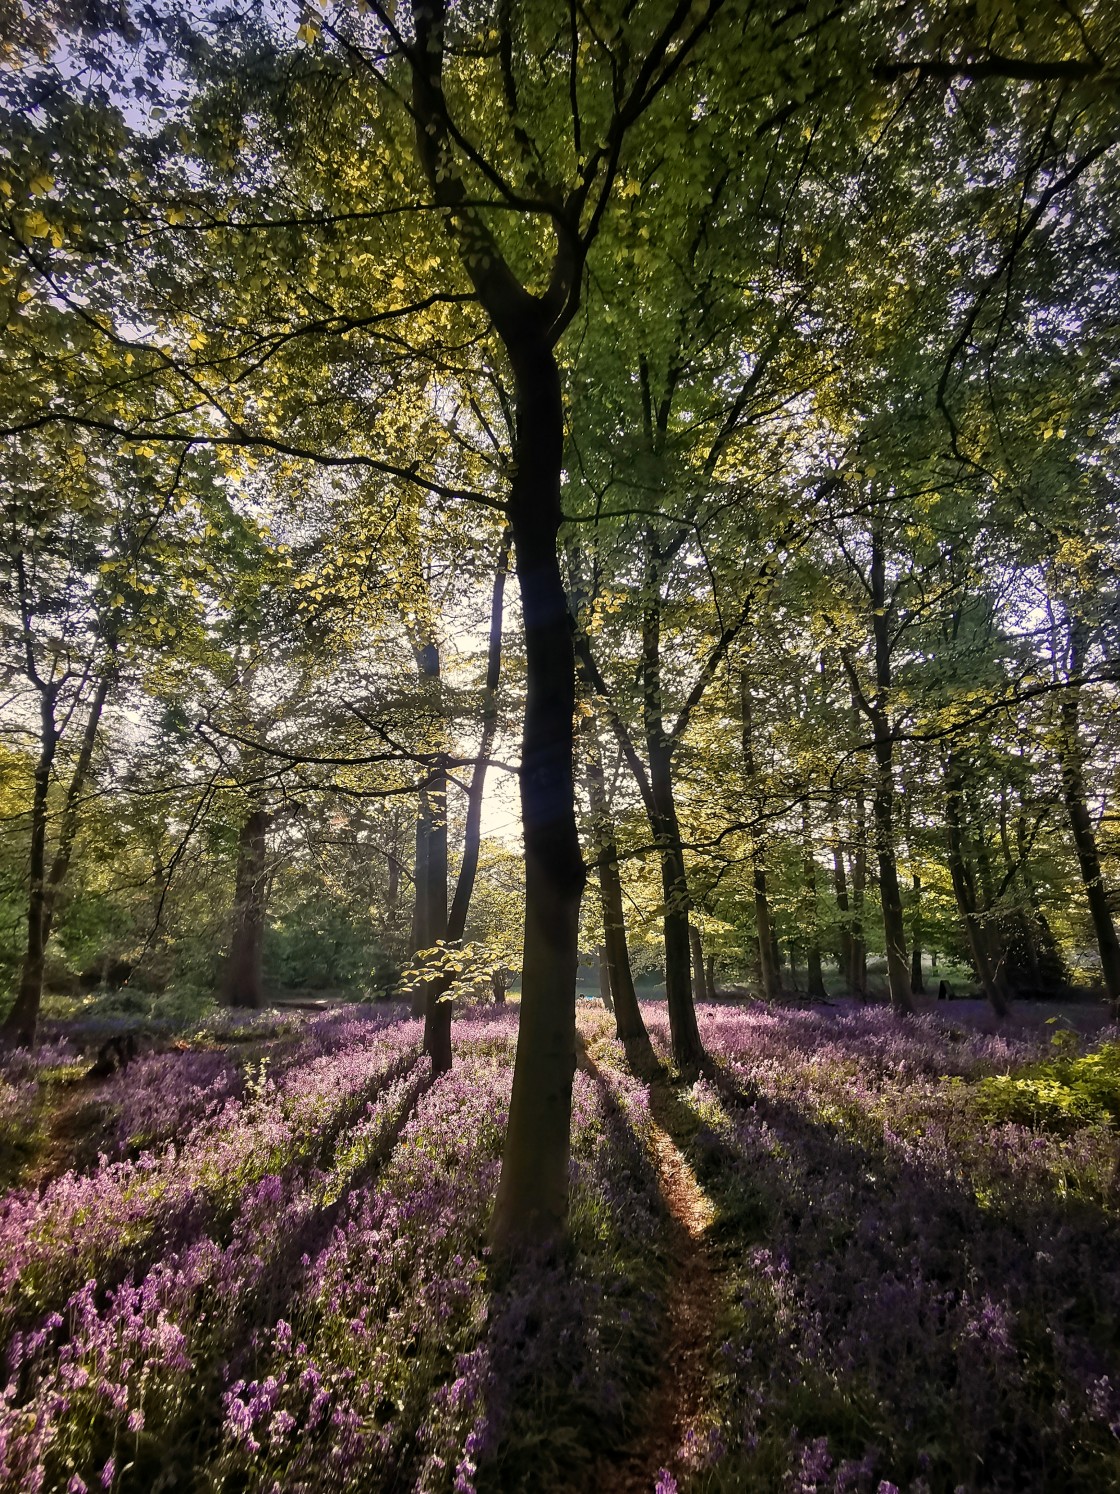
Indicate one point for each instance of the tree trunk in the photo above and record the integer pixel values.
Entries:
(814, 975)
(882, 809)
(710, 978)
(430, 921)
(687, 1047)
(630, 1028)
(769, 962)
(857, 975)
(840, 884)
(769, 967)
(532, 1200)
(604, 979)
(697, 947)
(472, 834)
(22, 1021)
(243, 983)
(964, 887)
(917, 985)
(894, 929)
(1081, 823)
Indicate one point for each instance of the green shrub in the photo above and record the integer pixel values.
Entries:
(1060, 1094)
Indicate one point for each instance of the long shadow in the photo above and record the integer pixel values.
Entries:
(572, 1341)
(927, 1332)
(250, 1289)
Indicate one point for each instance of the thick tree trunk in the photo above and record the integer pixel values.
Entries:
(532, 1200)
(244, 985)
(1081, 824)
(630, 1028)
(22, 1021)
(917, 984)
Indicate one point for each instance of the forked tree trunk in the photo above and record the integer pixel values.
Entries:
(21, 1024)
(244, 985)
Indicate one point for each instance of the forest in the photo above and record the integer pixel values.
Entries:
(559, 749)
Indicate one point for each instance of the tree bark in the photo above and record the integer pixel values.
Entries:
(769, 968)
(431, 879)
(840, 885)
(857, 975)
(244, 985)
(697, 947)
(988, 969)
(532, 1200)
(630, 1027)
(917, 984)
(604, 979)
(688, 1050)
(710, 978)
(894, 929)
(21, 1024)
(814, 975)
(1081, 822)
(472, 833)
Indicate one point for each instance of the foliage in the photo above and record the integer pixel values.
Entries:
(1061, 1094)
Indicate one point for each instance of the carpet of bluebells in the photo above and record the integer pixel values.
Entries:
(270, 1272)
(921, 1295)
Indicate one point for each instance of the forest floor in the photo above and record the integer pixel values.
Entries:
(856, 1255)
(675, 1406)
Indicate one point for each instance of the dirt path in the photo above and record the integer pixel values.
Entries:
(676, 1404)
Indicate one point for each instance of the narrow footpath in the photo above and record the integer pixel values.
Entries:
(676, 1405)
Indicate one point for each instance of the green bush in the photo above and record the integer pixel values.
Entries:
(1060, 1094)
